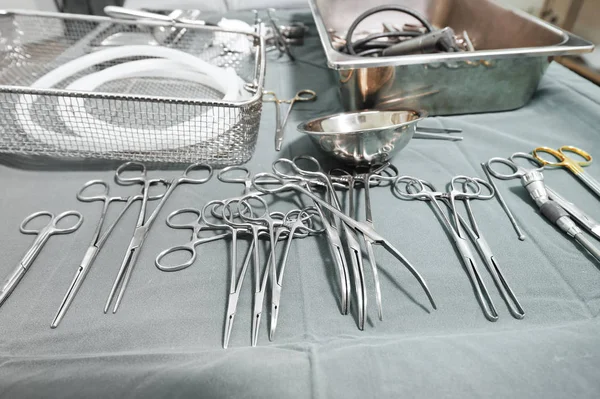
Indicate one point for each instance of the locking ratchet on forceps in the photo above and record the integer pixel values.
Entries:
(360, 226)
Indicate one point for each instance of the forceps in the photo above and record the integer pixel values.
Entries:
(235, 279)
(365, 180)
(43, 235)
(575, 167)
(98, 240)
(301, 96)
(426, 191)
(256, 224)
(143, 224)
(360, 226)
(197, 226)
(294, 225)
(519, 172)
(331, 228)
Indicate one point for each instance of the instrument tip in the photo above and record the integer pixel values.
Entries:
(522, 237)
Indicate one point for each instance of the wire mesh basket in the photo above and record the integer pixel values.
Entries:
(152, 119)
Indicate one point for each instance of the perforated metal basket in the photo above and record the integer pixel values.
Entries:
(33, 44)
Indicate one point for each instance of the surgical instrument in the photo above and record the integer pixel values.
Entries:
(426, 191)
(433, 133)
(362, 227)
(235, 279)
(551, 205)
(294, 223)
(301, 96)
(98, 239)
(331, 228)
(43, 234)
(575, 167)
(509, 297)
(247, 223)
(144, 223)
(365, 179)
(350, 236)
(190, 247)
(503, 204)
(519, 172)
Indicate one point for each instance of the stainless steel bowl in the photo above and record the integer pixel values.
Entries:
(363, 136)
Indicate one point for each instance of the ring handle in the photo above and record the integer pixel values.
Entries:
(244, 206)
(212, 204)
(23, 227)
(465, 180)
(576, 150)
(175, 225)
(185, 178)
(223, 174)
(97, 197)
(488, 186)
(503, 176)
(305, 95)
(562, 159)
(261, 181)
(54, 229)
(409, 181)
(190, 249)
(131, 180)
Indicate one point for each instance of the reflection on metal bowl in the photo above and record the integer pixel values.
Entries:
(369, 136)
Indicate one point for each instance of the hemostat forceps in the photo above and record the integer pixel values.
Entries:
(331, 228)
(373, 173)
(422, 190)
(98, 239)
(361, 227)
(143, 224)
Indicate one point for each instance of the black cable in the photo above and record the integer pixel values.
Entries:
(375, 10)
(372, 51)
(357, 45)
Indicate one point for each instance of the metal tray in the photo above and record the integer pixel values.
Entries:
(513, 51)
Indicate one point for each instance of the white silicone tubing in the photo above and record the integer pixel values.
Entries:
(109, 137)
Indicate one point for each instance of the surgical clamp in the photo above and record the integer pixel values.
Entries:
(43, 234)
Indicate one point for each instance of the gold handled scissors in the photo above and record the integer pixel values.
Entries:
(564, 161)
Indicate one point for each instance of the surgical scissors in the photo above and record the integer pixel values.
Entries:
(426, 191)
(144, 224)
(331, 228)
(564, 161)
(519, 172)
(98, 239)
(362, 227)
(43, 234)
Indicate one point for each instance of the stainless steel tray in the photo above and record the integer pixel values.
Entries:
(513, 50)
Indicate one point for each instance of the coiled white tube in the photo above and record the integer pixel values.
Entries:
(92, 134)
